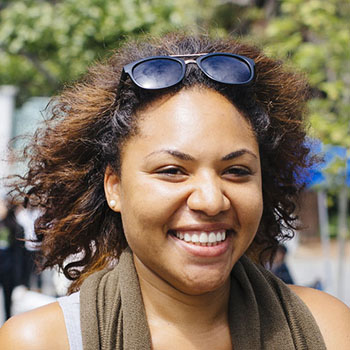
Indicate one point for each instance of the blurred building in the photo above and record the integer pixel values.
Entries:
(7, 104)
(14, 122)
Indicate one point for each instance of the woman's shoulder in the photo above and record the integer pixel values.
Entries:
(41, 328)
(331, 315)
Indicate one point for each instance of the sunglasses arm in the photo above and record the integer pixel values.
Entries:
(122, 79)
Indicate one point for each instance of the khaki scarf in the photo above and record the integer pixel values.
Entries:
(263, 312)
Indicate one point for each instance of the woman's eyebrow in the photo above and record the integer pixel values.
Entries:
(239, 153)
(186, 156)
(174, 153)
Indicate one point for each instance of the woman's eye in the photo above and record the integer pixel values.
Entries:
(172, 171)
(238, 171)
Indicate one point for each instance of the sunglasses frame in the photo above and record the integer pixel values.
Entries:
(128, 69)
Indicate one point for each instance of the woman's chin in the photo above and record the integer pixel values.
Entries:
(200, 285)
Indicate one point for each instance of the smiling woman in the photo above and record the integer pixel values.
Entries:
(198, 181)
(173, 170)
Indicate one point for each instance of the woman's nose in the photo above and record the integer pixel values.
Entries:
(207, 196)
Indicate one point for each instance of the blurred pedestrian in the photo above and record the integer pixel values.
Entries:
(279, 265)
(11, 253)
(26, 218)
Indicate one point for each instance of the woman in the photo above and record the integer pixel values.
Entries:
(180, 167)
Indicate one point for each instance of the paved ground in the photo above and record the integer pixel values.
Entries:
(306, 264)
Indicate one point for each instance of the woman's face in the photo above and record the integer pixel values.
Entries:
(190, 189)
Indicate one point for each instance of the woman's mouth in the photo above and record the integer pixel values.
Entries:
(202, 238)
(205, 244)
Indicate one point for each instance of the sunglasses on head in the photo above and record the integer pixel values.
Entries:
(161, 72)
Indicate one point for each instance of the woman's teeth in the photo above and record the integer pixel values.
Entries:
(202, 238)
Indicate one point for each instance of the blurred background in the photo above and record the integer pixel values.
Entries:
(45, 45)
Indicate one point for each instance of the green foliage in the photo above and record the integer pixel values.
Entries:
(44, 44)
(315, 36)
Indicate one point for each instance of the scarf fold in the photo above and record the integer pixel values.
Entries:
(112, 313)
(263, 312)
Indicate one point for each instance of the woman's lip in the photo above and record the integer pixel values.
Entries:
(204, 227)
(201, 250)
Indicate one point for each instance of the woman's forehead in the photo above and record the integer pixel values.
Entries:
(195, 119)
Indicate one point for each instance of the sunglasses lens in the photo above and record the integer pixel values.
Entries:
(158, 73)
(227, 69)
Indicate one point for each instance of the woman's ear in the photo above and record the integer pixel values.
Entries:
(112, 189)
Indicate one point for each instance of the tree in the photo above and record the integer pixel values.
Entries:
(315, 35)
(44, 44)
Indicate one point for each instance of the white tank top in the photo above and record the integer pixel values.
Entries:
(70, 306)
